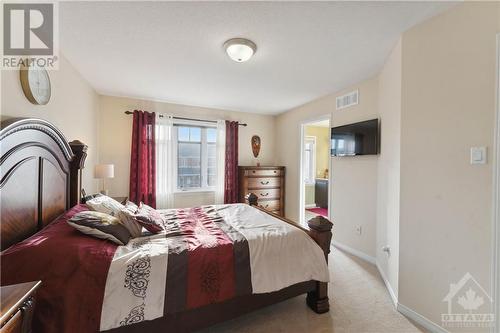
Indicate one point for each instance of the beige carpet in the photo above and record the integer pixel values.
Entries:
(359, 303)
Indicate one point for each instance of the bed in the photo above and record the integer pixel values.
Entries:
(270, 260)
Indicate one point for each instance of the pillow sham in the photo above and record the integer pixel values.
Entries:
(149, 218)
(127, 218)
(100, 225)
(105, 204)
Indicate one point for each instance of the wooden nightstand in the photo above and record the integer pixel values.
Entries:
(16, 309)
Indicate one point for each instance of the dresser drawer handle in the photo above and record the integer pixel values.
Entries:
(265, 183)
(275, 171)
(261, 206)
(264, 194)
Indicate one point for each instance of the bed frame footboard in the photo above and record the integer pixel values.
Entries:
(320, 230)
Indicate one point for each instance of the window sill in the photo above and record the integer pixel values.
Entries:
(201, 190)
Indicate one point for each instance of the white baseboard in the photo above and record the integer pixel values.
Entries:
(421, 320)
(354, 252)
(310, 206)
(388, 287)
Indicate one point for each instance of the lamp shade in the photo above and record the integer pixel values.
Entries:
(104, 171)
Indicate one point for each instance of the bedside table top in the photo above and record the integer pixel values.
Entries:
(13, 297)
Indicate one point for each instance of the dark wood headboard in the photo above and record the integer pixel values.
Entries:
(40, 176)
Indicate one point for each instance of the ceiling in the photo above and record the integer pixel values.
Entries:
(172, 51)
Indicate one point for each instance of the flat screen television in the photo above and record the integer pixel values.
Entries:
(356, 139)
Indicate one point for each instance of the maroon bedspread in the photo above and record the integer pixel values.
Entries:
(208, 260)
(73, 268)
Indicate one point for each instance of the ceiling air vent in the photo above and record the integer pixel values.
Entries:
(348, 100)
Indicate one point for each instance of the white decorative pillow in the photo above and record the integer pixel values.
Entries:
(127, 218)
(105, 204)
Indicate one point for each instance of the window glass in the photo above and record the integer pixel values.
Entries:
(189, 165)
(211, 134)
(183, 133)
(195, 134)
(212, 164)
(196, 157)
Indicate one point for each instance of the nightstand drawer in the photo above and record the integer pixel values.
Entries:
(17, 307)
(15, 324)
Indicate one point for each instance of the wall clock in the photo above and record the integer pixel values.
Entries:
(36, 84)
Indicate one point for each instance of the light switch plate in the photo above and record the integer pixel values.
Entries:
(478, 155)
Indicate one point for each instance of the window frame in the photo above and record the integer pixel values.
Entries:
(203, 158)
(311, 179)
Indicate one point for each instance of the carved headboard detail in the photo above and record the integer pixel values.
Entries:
(40, 176)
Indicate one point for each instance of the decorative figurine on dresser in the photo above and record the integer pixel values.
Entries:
(267, 183)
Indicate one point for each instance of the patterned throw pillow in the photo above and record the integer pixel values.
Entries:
(100, 225)
(105, 204)
(127, 217)
(149, 218)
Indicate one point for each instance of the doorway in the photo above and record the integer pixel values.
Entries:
(315, 169)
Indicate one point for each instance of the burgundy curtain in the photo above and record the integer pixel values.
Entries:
(231, 174)
(143, 160)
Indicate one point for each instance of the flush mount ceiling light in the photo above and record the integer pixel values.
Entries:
(240, 49)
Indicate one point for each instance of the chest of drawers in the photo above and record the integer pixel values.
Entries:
(267, 183)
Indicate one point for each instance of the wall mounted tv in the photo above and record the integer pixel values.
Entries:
(356, 139)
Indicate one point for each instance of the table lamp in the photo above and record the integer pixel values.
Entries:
(103, 171)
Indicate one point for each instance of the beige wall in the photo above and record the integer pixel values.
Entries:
(388, 177)
(73, 108)
(353, 179)
(448, 106)
(116, 138)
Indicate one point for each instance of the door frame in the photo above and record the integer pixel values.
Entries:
(302, 136)
(496, 200)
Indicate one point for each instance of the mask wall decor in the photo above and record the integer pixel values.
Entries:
(255, 145)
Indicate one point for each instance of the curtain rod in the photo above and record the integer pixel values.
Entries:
(193, 119)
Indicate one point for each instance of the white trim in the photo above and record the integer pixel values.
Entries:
(302, 195)
(388, 286)
(495, 268)
(421, 320)
(354, 252)
(310, 206)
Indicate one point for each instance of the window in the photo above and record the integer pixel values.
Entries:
(196, 157)
(309, 159)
